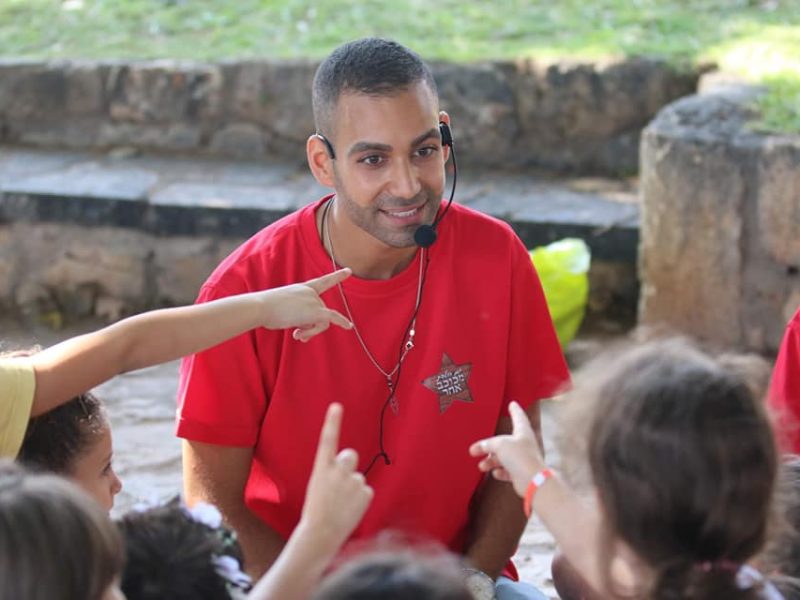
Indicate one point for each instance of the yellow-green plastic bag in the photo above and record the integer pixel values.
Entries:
(563, 269)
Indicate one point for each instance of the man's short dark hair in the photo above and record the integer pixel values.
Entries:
(370, 66)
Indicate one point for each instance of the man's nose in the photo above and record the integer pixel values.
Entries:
(405, 181)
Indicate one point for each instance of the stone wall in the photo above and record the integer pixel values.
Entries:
(60, 272)
(564, 116)
(720, 231)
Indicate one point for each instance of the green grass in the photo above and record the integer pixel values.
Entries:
(757, 38)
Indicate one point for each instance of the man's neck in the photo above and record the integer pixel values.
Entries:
(353, 247)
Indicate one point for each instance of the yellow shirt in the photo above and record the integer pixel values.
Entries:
(17, 384)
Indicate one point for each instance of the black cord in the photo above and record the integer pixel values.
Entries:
(452, 188)
(396, 379)
(395, 383)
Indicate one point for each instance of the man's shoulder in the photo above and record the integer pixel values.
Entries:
(470, 217)
(794, 323)
(481, 229)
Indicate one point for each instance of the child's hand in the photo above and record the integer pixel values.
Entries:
(300, 306)
(337, 495)
(516, 457)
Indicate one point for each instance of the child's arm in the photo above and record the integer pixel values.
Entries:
(78, 364)
(336, 499)
(574, 525)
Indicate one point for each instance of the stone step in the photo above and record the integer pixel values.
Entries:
(190, 195)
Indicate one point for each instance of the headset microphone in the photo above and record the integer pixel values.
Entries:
(425, 235)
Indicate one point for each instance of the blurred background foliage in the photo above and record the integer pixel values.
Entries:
(759, 39)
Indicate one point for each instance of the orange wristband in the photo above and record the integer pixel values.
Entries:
(537, 481)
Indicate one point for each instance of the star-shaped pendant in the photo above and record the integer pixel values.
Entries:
(450, 384)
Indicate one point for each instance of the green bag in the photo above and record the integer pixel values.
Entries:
(563, 269)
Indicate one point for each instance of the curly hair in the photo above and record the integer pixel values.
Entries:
(56, 438)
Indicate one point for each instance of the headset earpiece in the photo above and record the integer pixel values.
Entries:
(447, 136)
(328, 145)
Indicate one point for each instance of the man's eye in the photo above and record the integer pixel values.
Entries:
(426, 151)
(373, 160)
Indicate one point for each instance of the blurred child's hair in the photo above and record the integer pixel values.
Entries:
(174, 552)
(782, 557)
(55, 543)
(389, 568)
(56, 438)
(684, 464)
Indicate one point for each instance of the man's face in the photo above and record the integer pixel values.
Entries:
(389, 168)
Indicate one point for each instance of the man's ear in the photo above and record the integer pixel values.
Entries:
(319, 160)
(445, 118)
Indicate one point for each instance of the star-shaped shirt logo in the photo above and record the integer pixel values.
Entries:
(450, 384)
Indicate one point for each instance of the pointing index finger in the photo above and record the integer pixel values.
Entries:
(329, 436)
(519, 419)
(326, 282)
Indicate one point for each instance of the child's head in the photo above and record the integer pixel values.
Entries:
(74, 440)
(412, 573)
(684, 464)
(175, 553)
(55, 542)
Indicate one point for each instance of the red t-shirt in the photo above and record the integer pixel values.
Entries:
(483, 337)
(784, 393)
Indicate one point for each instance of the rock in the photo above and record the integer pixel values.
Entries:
(29, 90)
(480, 100)
(588, 116)
(276, 96)
(164, 92)
(720, 207)
(176, 137)
(110, 309)
(123, 153)
(181, 265)
(8, 260)
(613, 289)
(562, 115)
(112, 261)
(779, 201)
(85, 89)
(240, 140)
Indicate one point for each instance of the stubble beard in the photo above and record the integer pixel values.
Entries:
(367, 219)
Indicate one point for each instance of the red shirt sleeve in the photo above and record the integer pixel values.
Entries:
(536, 367)
(784, 393)
(221, 395)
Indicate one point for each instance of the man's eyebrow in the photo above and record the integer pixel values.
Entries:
(432, 132)
(366, 146)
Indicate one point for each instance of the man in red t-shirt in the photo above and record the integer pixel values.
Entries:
(443, 337)
(784, 393)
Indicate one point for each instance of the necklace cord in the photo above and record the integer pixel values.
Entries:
(382, 450)
(393, 377)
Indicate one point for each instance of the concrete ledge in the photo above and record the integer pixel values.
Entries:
(567, 116)
(190, 196)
